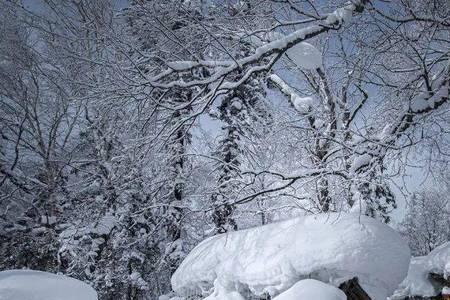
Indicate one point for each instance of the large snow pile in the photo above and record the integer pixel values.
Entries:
(270, 259)
(37, 285)
(312, 289)
(417, 283)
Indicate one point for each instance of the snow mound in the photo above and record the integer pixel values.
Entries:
(270, 259)
(224, 292)
(312, 289)
(417, 283)
(305, 56)
(37, 285)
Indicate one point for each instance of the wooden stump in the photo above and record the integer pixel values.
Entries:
(353, 290)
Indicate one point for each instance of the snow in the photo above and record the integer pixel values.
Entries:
(270, 259)
(237, 105)
(37, 285)
(417, 282)
(446, 291)
(305, 56)
(312, 289)
(360, 161)
(222, 292)
(425, 100)
(419, 104)
(341, 15)
(105, 225)
(302, 104)
(181, 65)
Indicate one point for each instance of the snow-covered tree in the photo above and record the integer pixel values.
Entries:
(427, 221)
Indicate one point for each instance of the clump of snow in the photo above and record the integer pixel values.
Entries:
(360, 161)
(312, 289)
(341, 15)
(104, 225)
(417, 283)
(302, 104)
(305, 56)
(270, 259)
(224, 292)
(181, 65)
(37, 285)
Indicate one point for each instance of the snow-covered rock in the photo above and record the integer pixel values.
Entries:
(37, 285)
(312, 289)
(305, 56)
(417, 283)
(270, 259)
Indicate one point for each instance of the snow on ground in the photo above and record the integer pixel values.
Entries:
(417, 282)
(224, 293)
(312, 289)
(270, 259)
(37, 285)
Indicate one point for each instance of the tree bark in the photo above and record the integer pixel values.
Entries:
(353, 290)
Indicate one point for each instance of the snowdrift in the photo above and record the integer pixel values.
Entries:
(37, 285)
(418, 283)
(272, 258)
(312, 289)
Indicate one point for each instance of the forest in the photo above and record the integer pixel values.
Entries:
(224, 149)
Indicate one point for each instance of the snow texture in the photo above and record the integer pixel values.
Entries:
(417, 282)
(312, 289)
(341, 15)
(305, 55)
(270, 259)
(224, 292)
(360, 161)
(37, 285)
